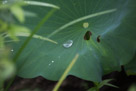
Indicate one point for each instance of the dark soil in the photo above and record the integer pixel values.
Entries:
(72, 83)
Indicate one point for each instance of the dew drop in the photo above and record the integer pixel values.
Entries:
(51, 62)
(86, 25)
(68, 44)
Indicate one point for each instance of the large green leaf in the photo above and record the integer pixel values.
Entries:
(112, 20)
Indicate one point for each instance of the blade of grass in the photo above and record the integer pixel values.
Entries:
(46, 17)
(65, 73)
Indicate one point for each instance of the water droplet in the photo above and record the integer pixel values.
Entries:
(68, 44)
(12, 50)
(86, 25)
(4, 1)
(51, 62)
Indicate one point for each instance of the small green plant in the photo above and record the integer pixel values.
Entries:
(99, 85)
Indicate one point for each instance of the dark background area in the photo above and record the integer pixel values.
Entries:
(72, 83)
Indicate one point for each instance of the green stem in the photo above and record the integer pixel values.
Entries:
(97, 86)
(46, 17)
(65, 73)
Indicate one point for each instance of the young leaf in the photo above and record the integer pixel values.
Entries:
(111, 85)
(18, 12)
(106, 82)
(15, 29)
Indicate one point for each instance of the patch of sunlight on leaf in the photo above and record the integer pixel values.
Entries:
(85, 25)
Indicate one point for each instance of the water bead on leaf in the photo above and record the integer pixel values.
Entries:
(68, 44)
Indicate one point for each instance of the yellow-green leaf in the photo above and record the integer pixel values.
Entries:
(18, 13)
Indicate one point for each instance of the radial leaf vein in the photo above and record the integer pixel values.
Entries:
(27, 34)
(36, 3)
(37, 37)
(81, 19)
